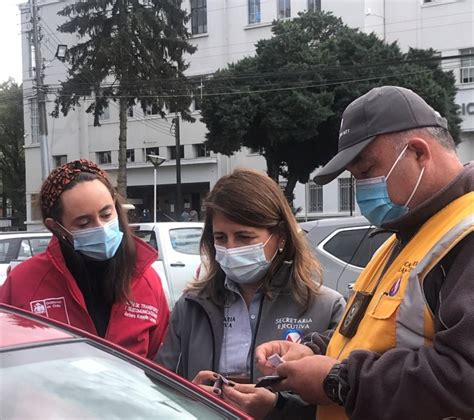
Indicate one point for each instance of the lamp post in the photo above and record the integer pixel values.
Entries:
(370, 13)
(156, 161)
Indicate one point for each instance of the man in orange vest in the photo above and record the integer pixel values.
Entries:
(405, 346)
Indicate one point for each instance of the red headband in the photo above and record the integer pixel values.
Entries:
(60, 177)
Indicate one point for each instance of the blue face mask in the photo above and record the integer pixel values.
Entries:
(245, 264)
(99, 243)
(374, 201)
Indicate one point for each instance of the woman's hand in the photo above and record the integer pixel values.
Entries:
(257, 402)
(206, 376)
(287, 350)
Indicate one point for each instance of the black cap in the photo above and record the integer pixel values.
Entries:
(382, 110)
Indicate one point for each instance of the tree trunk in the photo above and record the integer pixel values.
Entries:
(290, 187)
(122, 158)
(273, 168)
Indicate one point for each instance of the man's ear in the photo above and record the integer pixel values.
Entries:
(421, 148)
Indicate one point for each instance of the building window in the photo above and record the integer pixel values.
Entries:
(35, 207)
(198, 16)
(34, 121)
(130, 111)
(467, 66)
(59, 160)
(315, 198)
(104, 157)
(130, 155)
(200, 150)
(172, 152)
(254, 11)
(284, 9)
(314, 5)
(255, 150)
(346, 194)
(151, 109)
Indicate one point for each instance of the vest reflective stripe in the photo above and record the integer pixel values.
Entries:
(412, 313)
(398, 315)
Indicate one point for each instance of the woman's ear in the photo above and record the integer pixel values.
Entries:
(58, 230)
(50, 224)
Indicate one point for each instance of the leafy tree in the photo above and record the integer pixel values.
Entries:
(12, 158)
(131, 51)
(287, 100)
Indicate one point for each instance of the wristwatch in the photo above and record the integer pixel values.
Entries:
(335, 384)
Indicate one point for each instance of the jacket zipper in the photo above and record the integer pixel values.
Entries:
(254, 340)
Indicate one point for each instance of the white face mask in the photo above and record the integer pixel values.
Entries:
(244, 264)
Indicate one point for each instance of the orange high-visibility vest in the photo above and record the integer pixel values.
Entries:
(398, 315)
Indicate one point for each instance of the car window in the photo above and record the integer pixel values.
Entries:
(186, 240)
(8, 250)
(149, 237)
(25, 251)
(39, 245)
(354, 246)
(78, 380)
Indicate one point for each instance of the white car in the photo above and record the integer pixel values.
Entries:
(178, 253)
(16, 247)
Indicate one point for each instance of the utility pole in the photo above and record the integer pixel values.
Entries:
(179, 195)
(40, 93)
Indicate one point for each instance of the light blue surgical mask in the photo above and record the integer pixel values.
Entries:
(99, 243)
(374, 201)
(245, 264)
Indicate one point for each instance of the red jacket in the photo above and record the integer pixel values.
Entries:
(45, 286)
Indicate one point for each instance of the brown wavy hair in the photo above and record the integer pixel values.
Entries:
(251, 198)
(121, 267)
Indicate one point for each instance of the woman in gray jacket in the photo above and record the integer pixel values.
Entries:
(260, 282)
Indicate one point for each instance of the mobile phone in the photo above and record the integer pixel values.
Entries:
(221, 380)
(268, 381)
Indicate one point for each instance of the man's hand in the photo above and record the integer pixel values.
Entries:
(286, 349)
(257, 402)
(305, 377)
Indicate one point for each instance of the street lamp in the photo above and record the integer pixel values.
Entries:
(61, 52)
(370, 13)
(156, 161)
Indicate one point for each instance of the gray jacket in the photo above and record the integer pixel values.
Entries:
(195, 332)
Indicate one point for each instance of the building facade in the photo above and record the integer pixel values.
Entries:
(225, 31)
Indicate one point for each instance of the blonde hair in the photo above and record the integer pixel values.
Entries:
(251, 198)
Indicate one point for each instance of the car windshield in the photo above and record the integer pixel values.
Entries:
(78, 380)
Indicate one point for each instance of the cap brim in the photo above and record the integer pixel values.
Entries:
(339, 162)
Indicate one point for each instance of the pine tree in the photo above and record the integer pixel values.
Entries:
(130, 51)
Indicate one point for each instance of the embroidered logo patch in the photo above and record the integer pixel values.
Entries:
(294, 336)
(54, 308)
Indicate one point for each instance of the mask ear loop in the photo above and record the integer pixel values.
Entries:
(396, 161)
(416, 186)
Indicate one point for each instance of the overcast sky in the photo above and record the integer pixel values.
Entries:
(10, 41)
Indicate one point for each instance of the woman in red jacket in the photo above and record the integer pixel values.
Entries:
(95, 275)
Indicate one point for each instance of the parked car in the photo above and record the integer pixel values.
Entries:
(344, 246)
(51, 370)
(16, 247)
(178, 253)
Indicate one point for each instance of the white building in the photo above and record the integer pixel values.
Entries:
(225, 31)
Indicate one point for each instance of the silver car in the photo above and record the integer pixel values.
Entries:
(16, 247)
(344, 246)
